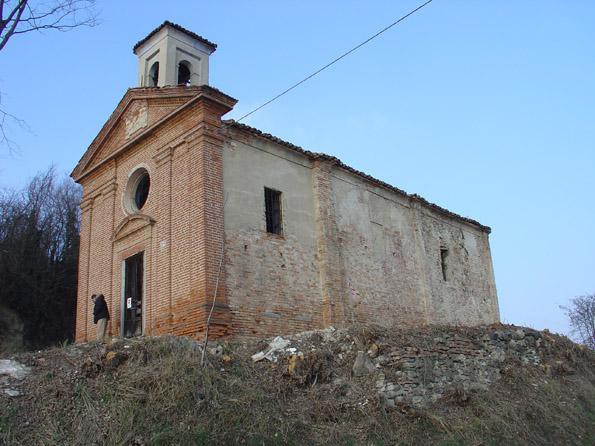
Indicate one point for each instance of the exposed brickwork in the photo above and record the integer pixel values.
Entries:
(272, 281)
(184, 163)
(332, 277)
(272, 284)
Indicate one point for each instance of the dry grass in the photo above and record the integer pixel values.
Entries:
(160, 396)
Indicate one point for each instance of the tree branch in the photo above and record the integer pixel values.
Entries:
(61, 15)
(5, 119)
(18, 10)
(25, 16)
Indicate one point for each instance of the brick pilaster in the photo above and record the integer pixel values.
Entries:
(109, 195)
(83, 297)
(332, 283)
(160, 317)
(205, 158)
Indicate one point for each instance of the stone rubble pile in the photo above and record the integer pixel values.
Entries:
(11, 373)
(421, 372)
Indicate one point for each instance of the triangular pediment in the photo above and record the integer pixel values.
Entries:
(139, 110)
(132, 224)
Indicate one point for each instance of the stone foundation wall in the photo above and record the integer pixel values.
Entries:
(426, 370)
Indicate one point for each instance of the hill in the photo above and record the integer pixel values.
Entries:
(435, 385)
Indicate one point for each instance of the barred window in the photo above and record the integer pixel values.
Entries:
(272, 203)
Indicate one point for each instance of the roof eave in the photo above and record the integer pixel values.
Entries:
(212, 46)
(369, 178)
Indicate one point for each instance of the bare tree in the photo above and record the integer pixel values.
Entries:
(25, 16)
(581, 314)
(39, 240)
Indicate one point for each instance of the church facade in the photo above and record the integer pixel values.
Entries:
(189, 219)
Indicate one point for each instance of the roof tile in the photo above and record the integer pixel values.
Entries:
(208, 43)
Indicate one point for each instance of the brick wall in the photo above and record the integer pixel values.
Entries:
(179, 229)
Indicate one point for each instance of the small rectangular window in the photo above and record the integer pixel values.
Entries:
(443, 257)
(272, 203)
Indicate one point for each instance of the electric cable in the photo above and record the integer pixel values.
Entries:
(334, 61)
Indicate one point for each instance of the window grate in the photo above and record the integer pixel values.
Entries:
(272, 203)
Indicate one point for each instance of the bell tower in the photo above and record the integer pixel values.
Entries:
(173, 55)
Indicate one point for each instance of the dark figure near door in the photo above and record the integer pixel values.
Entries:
(100, 315)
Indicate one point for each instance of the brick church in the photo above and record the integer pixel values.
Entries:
(182, 208)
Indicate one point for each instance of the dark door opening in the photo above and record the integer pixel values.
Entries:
(133, 296)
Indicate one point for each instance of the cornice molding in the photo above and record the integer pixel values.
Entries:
(120, 231)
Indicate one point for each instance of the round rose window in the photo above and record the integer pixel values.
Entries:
(137, 190)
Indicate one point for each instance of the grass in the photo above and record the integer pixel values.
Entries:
(161, 396)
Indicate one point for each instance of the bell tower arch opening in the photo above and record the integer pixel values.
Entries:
(184, 72)
(153, 78)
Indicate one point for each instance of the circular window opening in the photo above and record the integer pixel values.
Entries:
(142, 191)
(137, 191)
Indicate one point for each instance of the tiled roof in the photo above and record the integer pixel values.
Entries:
(339, 163)
(208, 43)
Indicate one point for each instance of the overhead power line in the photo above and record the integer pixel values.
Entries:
(334, 61)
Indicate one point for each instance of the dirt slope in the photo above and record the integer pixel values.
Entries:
(448, 386)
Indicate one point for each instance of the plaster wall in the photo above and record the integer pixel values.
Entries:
(390, 250)
(468, 296)
(379, 245)
(351, 251)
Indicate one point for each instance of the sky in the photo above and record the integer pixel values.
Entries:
(486, 108)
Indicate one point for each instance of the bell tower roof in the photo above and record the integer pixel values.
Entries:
(172, 55)
(189, 33)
